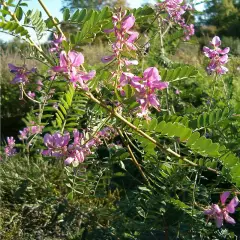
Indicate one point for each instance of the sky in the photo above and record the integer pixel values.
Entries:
(54, 7)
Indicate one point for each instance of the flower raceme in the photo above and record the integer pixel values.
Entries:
(175, 10)
(9, 149)
(59, 145)
(124, 38)
(30, 130)
(69, 63)
(145, 88)
(218, 57)
(221, 214)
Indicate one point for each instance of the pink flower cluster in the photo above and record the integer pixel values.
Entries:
(218, 57)
(145, 88)
(58, 145)
(175, 10)
(220, 214)
(69, 63)
(21, 73)
(124, 38)
(56, 43)
(30, 130)
(9, 149)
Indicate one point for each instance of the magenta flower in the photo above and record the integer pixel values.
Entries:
(175, 10)
(69, 63)
(23, 134)
(76, 157)
(128, 22)
(177, 91)
(31, 94)
(56, 42)
(39, 85)
(124, 38)
(21, 73)
(76, 152)
(221, 214)
(30, 130)
(81, 78)
(56, 143)
(218, 57)
(9, 149)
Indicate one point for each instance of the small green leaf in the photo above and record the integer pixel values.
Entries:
(66, 14)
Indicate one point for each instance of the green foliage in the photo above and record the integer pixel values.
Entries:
(224, 15)
(178, 74)
(86, 24)
(151, 178)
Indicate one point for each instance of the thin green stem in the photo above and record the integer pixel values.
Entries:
(132, 155)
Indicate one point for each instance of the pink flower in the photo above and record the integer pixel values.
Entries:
(128, 22)
(23, 134)
(39, 85)
(30, 130)
(77, 157)
(56, 42)
(69, 63)
(56, 143)
(81, 78)
(31, 94)
(9, 149)
(146, 88)
(124, 37)
(175, 10)
(107, 58)
(152, 79)
(219, 214)
(21, 73)
(218, 57)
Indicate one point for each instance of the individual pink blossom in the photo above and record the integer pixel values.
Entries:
(57, 40)
(128, 22)
(56, 143)
(221, 214)
(21, 73)
(70, 63)
(31, 94)
(177, 91)
(218, 57)
(9, 149)
(39, 85)
(23, 134)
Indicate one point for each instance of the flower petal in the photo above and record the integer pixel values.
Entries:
(224, 196)
(232, 205)
(76, 58)
(216, 42)
(229, 219)
(219, 221)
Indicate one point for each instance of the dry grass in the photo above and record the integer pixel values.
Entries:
(189, 54)
(94, 53)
